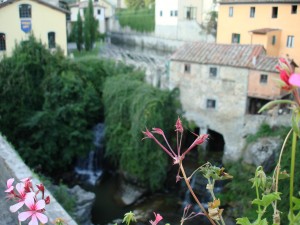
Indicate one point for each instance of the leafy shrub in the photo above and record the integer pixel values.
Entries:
(130, 106)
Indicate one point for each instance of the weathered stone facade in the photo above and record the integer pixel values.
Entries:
(229, 93)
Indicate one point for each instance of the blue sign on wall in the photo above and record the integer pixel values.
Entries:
(26, 25)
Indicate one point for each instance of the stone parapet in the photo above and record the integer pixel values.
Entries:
(12, 166)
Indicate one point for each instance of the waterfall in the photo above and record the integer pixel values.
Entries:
(89, 169)
(198, 184)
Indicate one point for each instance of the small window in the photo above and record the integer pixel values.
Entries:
(190, 13)
(235, 39)
(171, 13)
(51, 40)
(210, 103)
(230, 11)
(99, 11)
(263, 78)
(213, 71)
(273, 40)
(2, 42)
(161, 13)
(252, 12)
(294, 9)
(187, 68)
(290, 41)
(25, 11)
(274, 12)
(175, 13)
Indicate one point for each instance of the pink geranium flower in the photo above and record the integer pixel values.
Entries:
(21, 196)
(158, 218)
(35, 212)
(9, 185)
(295, 79)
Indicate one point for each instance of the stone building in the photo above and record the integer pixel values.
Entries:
(46, 20)
(220, 84)
(183, 20)
(271, 23)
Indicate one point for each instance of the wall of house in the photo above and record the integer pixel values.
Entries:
(203, 8)
(269, 90)
(286, 22)
(228, 88)
(273, 49)
(99, 14)
(44, 19)
(12, 166)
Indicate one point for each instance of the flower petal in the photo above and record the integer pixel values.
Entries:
(20, 188)
(33, 220)
(295, 79)
(16, 207)
(24, 215)
(43, 218)
(29, 202)
(40, 204)
(10, 182)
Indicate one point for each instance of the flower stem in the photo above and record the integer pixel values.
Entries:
(193, 193)
(277, 171)
(292, 173)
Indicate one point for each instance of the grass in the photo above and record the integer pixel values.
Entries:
(84, 53)
(142, 20)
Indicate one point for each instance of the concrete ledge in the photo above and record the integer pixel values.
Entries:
(11, 165)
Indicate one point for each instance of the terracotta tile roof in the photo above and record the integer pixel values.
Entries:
(235, 55)
(258, 1)
(266, 63)
(263, 30)
(8, 2)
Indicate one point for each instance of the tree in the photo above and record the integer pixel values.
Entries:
(130, 106)
(79, 29)
(90, 27)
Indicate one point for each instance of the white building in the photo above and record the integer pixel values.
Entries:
(183, 20)
(99, 13)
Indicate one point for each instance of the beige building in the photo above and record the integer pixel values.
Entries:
(220, 84)
(271, 23)
(19, 18)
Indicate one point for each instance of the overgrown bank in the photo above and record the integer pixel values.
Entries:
(49, 105)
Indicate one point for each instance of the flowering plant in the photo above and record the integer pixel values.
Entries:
(24, 193)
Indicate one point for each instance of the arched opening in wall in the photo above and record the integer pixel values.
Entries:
(215, 147)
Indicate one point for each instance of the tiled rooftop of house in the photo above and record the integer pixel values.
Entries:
(259, 1)
(235, 55)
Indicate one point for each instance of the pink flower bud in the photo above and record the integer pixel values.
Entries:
(158, 218)
(158, 131)
(148, 134)
(178, 126)
(41, 187)
(47, 200)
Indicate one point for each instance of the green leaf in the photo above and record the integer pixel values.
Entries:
(296, 201)
(129, 217)
(275, 102)
(243, 221)
(267, 199)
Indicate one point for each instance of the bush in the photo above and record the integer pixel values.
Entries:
(130, 107)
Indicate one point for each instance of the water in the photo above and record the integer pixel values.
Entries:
(90, 169)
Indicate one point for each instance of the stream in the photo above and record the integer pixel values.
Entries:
(105, 183)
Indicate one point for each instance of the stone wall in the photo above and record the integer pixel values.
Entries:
(12, 166)
(229, 90)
